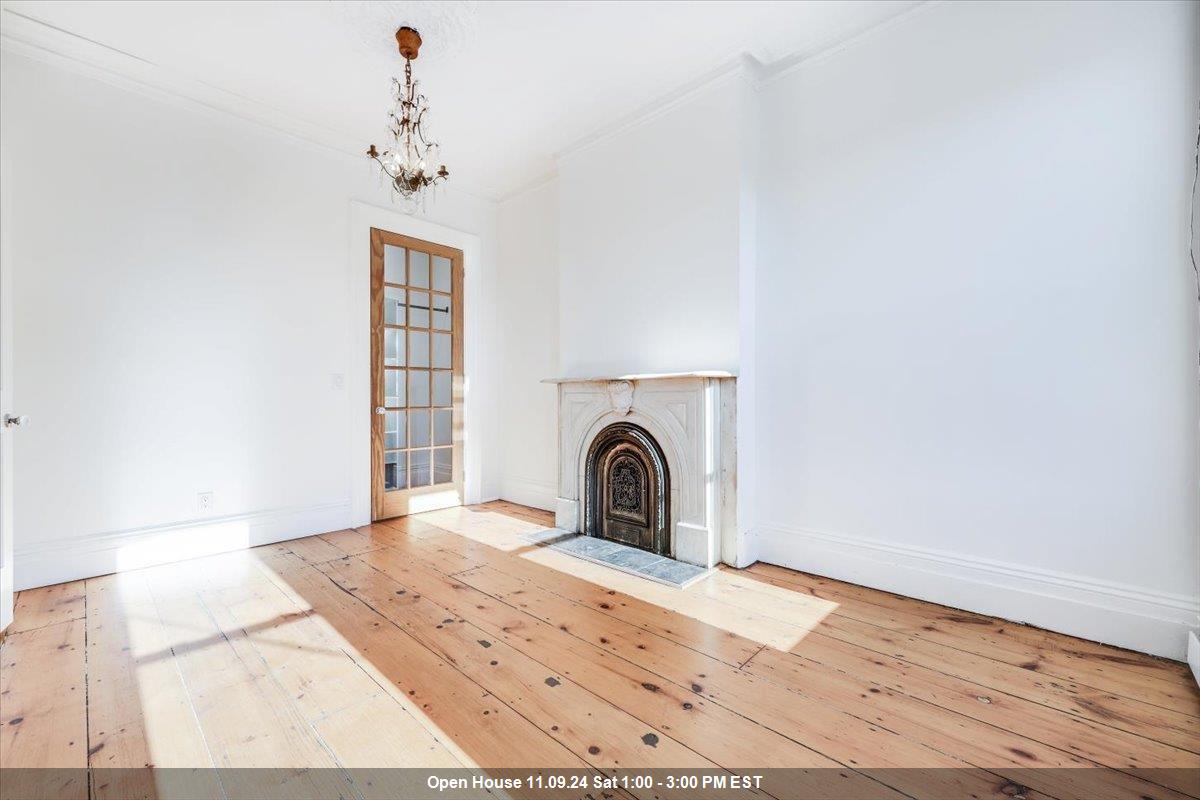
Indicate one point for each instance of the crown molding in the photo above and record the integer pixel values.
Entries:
(31, 38)
(751, 67)
(748, 66)
(529, 187)
(57, 47)
(742, 67)
(831, 47)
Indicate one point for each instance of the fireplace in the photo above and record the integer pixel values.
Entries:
(650, 461)
(627, 484)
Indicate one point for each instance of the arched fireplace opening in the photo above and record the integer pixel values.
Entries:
(627, 489)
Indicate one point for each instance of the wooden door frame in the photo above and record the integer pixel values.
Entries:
(379, 239)
(478, 395)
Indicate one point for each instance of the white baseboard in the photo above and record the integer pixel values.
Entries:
(1193, 654)
(1127, 616)
(45, 563)
(747, 548)
(529, 492)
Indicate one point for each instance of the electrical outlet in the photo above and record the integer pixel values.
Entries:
(204, 502)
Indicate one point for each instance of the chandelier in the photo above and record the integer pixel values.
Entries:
(410, 157)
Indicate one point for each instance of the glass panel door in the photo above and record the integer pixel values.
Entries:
(416, 353)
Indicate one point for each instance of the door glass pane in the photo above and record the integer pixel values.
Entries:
(394, 431)
(418, 309)
(419, 421)
(393, 264)
(418, 387)
(441, 273)
(441, 350)
(393, 306)
(418, 269)
(418, 348)
(443, 465)
(441, 312)
(393, 388)
(441, 388)
(443, 419)
(395, 474)
(393, 347)
(418, 359)
(420, 467)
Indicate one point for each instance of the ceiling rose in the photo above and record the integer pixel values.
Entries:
(449, 25)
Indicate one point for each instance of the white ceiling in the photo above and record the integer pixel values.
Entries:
(510, 83)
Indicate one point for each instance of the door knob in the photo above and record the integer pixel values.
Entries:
(15, 422)
(380, 410)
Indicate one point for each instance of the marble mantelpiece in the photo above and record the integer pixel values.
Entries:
(692, 416)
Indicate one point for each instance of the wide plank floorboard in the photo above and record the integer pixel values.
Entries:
(450, 639)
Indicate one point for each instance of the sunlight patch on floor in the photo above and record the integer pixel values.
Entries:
(161, 712)
(315, 665)
(779, 603)
(181, 620)
(725, 600)
(381, 726)
(500, 531)
(178, 622)
(769, 615)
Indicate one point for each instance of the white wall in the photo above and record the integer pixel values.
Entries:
(182, 308)
(608, 277)
(950, 268)
(648, 244)
(646, 274)
(976, 317)
(527, 300)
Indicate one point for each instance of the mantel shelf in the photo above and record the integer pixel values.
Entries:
(714, 373)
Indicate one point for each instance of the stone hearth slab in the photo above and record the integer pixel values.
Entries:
(544, 536)
(631, 560)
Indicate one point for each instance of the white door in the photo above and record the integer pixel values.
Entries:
(6, 429)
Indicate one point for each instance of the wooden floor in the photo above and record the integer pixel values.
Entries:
(446, 639)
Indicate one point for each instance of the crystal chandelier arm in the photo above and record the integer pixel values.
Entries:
(382, 166)
(421, 135)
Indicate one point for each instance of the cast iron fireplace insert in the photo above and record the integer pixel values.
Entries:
(627, 489)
